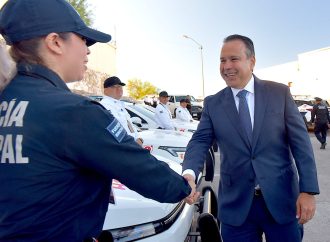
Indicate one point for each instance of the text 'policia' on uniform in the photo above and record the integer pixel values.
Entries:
(11, 115)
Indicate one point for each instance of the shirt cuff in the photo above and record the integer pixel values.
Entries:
(189, 172)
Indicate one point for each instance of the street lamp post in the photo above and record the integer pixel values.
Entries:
(201, 48)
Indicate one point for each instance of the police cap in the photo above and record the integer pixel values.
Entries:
(28, 19)
(318, 99)
(111, 81)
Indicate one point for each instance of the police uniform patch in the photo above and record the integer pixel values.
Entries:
(116, 130)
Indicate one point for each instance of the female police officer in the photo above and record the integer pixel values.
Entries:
(60, 151)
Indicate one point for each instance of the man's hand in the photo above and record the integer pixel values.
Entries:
(305, 207)
(194, 195)
(139, 141)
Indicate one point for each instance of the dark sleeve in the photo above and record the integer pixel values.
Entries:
(200, 142)
(301, 147)
(313, 113)
(89, 144)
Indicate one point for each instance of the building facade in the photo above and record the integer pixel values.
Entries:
(101, 64)
(309, 75)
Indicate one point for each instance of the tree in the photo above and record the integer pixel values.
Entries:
(92, 82)
(82, 8)
(138, 89)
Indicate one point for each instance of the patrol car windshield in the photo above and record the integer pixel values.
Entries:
(178, 98)
(148, 113)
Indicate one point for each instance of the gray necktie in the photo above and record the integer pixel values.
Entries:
(244, 113)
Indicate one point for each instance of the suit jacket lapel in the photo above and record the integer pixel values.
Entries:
(260, 103)
(228, 104)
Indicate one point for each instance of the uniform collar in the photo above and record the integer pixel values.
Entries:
(111, 99)
(41, 72)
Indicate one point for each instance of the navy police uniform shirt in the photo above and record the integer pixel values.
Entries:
(59, 153)
(320, 114)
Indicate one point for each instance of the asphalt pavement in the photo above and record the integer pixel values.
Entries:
(318, 229)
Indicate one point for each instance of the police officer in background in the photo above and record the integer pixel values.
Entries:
(182, 113)
(320, 118)
(188, 98)
(113, 91)
(59, 151)
(163, 115)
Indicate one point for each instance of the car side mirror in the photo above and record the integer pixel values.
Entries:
(137, 121)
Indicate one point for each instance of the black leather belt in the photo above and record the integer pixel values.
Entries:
(257, 192)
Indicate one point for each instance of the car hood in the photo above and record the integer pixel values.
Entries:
(166, 137)
(131, 208)
(186, 126)
(305, 108)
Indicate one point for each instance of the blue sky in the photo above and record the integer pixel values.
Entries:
(151, 47)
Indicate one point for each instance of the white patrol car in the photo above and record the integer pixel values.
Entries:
(133, 217)
(305, 106)
(143, 117)
(146, 118)
(166, 143)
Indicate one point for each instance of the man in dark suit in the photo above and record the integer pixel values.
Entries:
(268, 175)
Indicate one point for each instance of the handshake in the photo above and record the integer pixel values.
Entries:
(194, 195)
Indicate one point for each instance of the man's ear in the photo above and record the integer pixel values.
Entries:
(54, 43)
(252, 62)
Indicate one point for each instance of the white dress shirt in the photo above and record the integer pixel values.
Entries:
(117, 109)
(163, 117)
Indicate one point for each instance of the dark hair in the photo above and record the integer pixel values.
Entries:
(247, 42)
(28, 50)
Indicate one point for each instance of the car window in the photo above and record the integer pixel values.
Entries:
(96, 98)
(132, 114)
(302, 102)
(171, 99)
(179, 98)
(144, 111)
(193, 99)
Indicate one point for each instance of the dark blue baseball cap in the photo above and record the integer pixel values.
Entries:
(111, 81)
(28, 19)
